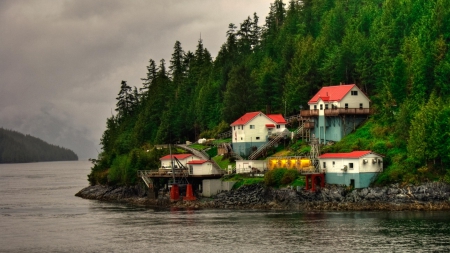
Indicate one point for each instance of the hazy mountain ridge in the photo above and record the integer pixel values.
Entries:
(16, 147)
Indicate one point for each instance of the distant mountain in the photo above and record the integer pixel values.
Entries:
(16, 147)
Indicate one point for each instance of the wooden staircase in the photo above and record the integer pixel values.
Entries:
(148, 181)
(266, 146)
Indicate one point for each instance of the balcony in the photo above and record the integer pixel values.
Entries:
(348, 111)
(309, 113)
(337, 112)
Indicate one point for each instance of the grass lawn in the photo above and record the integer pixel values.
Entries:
(223, 163)
(198, 146)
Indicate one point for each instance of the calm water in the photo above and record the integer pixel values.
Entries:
(39, 213)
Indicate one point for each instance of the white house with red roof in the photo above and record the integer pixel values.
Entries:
(201, 167)
(253, 129)
(166, 161)
(357, 168)
(337, 111)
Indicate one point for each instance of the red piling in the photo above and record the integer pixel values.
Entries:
(174, 192)
(189, 193)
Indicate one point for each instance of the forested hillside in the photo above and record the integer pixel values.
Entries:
(396, 51)
(18, 148)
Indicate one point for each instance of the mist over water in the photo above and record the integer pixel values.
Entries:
(39, 213)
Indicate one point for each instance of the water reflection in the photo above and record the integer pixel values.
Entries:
(44, 211)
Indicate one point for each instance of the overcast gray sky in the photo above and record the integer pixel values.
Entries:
(61, 62)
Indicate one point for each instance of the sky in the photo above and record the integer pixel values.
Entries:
(62, 62)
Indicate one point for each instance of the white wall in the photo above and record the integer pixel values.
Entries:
(354, 101)
(201, 169)
(211, 187)
(358, 164)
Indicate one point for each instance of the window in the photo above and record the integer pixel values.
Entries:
(354, 93)
(315, 107)
(350, 165)
(278, 126)
(241, 138)
(234, 127)
(346, 106)
(252, 126)
(326, 106)
(321, 106)
(324, 165)
(257, 138)
(333, 163)
(360, 106)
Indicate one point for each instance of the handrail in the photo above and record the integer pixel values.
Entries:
(148, 182)
(336, 111)
(269, 144)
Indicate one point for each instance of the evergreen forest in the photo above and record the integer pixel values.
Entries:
(396, 51)
(19, 148)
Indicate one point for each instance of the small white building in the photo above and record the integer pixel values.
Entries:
(247, 166)
(357, 168)
(166, 161)
(201, 167)
(253, 129)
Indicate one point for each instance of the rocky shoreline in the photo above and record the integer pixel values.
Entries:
(429, 196)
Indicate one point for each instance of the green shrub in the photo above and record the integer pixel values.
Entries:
(289, 177)
(279, 177)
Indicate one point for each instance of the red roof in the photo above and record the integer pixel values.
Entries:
(332, 93)
(246, 118)
(178, 156)
(354, 154)
(197, 162)
(277, 118)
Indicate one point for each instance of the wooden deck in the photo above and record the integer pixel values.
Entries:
(177, 173)
(337, 112)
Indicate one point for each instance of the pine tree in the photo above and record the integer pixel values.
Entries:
(125, 100)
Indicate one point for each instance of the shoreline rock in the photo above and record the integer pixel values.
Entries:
(429, 196)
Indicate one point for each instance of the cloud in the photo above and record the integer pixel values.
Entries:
(63, 61)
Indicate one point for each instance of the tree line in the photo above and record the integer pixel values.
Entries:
(16, 147)
(396, 51)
